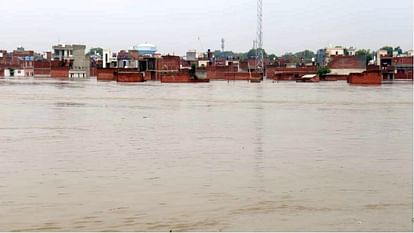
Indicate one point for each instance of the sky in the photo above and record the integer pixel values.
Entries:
(176, 26)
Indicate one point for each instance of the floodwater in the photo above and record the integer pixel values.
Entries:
(89, 156)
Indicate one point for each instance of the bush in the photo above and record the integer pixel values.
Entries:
(322, 71)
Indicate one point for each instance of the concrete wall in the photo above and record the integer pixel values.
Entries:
(81, 62)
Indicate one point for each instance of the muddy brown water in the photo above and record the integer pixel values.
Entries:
(89, 156)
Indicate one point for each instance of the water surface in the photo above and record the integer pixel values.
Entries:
(89, 156)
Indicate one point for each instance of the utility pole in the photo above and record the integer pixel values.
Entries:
(259, 40)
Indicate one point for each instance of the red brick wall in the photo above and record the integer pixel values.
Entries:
(404, 74)
(42, 68)
(59, 72)
(404, 66)
(335, 77)
(240, 76)
(107, 74)
(168, 63)
(93, 71)
(402, 61)
(348, 62)
(175, 77)
(42, 72)
(128, 76)
(150, 76)
(218, 72)
(366, 78)
(288, 74)
(42, 64)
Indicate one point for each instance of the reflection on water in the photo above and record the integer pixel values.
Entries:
(88, 156)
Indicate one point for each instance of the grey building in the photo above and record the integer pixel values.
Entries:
(62, 52)
(79, 63)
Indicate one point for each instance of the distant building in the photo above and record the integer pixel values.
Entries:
(342, 66)
(62, 52)
(74, 57)
(191, 55)
(14, 72)
(321, 57)
(23, 60)
(335, 51)
(403, 67)
(146, 49)
(352, 51)
(81, 63)
(123, 59)
(381, 53)
(109, 59)
(203, 63)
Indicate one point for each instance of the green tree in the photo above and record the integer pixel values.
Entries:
(290, 58)
(306, 54)
(272, 57)
(389, 50)
(322, 71)
(97, 51)
(367, 53)
(398, 50)
(346, 52)
(252, 53)
(241, 56)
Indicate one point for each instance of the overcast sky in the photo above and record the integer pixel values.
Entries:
(175, 25)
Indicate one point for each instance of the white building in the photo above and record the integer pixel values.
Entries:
(335, 51)
(62, 52)
(380, 53)
(203, 63)
(109, 59)
(10, 72)
(352, 51)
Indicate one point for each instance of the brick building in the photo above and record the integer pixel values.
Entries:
(342, 66)
(72, 56)
(403, 67)
(288, 73)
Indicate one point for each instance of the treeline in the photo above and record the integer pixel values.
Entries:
(305, 55)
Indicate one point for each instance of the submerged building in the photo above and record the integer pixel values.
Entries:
(73, 57)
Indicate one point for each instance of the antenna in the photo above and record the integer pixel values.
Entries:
(259, 40)
(201, 44)
(222, 45)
